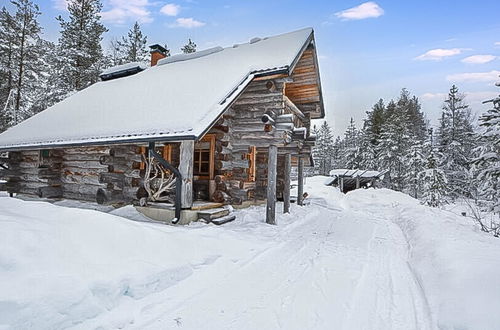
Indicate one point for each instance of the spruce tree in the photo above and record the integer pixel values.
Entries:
(352, 153)
(456, 143)
(20, 37)
(416, 163)
(7, 49)
(188, 48)
(80, 44)
(323, 151)
(133, 47)
(487, 164)
(394, 144)
(433, 180)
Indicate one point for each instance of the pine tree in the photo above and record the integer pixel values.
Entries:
(80, 44)
(323, 150)
(456, 143)
(415, 162)
(374, 122)
(394, 145)
(7, 49)
(133, 47)
(433, 180)
(371, 136)
(487, 164)
(352, 152)
(20, 34)
(190, 47)
(338, 150)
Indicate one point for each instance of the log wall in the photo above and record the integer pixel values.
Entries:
(84, 173)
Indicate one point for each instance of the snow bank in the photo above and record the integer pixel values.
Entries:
(456, 264)
(370, 259)
(61, 266)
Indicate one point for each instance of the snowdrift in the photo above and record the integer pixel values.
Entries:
(373, 259)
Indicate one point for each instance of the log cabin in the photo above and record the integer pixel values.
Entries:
(223, 125)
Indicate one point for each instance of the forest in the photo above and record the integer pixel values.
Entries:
(37, 73)
(458, 161)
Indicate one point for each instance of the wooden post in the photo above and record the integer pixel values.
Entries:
(286, 188)
(300, 188)
(271, 185)
(186, 170)
(341, 185)
(357, 182)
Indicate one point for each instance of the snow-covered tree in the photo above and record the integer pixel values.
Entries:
(434, 184)
(188, 48)
(323, 151)
(351, 151)
(487, 164)
(416, 163)
(456, 143)
(394, 145)
(133, 47)
(80, 44)
(7, 41)
(19, 39)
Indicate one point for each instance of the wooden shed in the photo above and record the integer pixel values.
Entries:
(218, 125)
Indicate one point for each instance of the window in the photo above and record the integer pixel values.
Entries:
(165, 151)
(252, 163)
(204, 151)
(43, 158)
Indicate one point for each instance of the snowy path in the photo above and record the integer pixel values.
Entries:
(320, 271)
(371, 259)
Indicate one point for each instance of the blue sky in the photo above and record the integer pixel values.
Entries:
(367, 50)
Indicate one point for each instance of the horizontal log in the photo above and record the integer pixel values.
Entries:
(87, 150)
(117, 179)
(82, 189)
(92, 179)
(81, 157)
(109, 197)
(94, 164)
(50, 192)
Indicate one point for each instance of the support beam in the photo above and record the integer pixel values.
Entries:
(300, 190)
(286, 183)
(341, 184)
(186, 170)
(357, 182)
(272, 161)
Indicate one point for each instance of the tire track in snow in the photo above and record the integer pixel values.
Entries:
(388, 289)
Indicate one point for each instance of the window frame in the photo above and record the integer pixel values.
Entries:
(44, 158)
(210, 138)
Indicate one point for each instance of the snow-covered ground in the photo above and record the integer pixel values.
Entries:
(371, 259)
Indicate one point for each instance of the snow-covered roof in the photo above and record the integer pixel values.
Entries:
(174, 100)
(355, 173)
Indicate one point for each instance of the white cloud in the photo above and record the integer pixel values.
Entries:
(122, 11)
(475, 76)
(438, 54)
(497, 43)
(170, 9)
(187, 23)
(480, 96)
(433, 96)
(60, 4)
(479, 59)
(365, 10)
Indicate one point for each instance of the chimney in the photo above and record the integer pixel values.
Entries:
(157, 53)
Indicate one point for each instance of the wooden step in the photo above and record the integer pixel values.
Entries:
(223, 220)
(211, 214)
